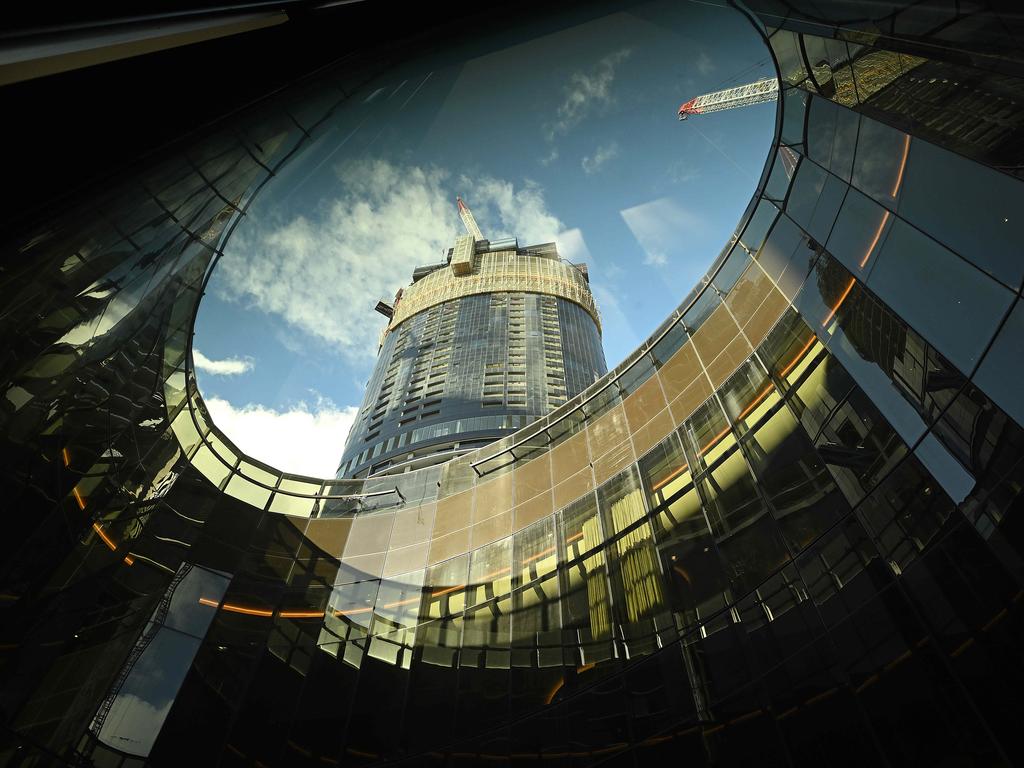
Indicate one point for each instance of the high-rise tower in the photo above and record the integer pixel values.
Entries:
(476, 347)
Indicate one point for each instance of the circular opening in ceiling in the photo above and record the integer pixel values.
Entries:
(561, 131)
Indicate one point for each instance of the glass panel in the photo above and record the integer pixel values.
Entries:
(701, 310)
(803, 494)
(209, 465)
(860, 233)
(786, 46)
(832, 136)
(794, 108)
(814, 200)
(732, 269)
(953, 305)
(748, 395)
(664, 470)
(977, 214)
(248, 492)
(709, 434)
(762, 220)
(881, 161)
(669, 344)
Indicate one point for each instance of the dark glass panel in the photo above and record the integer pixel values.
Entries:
(860, 233)
(753, 552)
(947, 291)
(803, 495)
(731, 270)
(1002, 370)
(832, 136)
(794, 110)
(760, 222)
(708, 434)
(787, 255)
(880, 165)
(701, 310)
(669, 344)
(814, 200)
(976, 215)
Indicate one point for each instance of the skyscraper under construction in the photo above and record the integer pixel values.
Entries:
(476, 347)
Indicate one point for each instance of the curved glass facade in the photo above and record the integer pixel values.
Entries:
(783, 531)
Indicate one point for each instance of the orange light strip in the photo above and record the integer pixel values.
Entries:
(78, 497)
(400, 603)
(586, 668)
(67, 457)
(714, 440)
(878, 234)
(447, 590)
(670, 477)
(492, 575)
(832, 312)
(106, 539)
(230, 607)
(903, 166)
(539, 555)
(554, 691)
(301, 614)
(353, 611)
(799, 356)
(129, 560)
(757, 401)
(574, 537)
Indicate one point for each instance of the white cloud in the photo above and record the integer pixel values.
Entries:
(586, 93)
(550, 157)
(504, 210)
(231, 366)
(592, 163)
(323, 275)
(304, 440)
(663, 228)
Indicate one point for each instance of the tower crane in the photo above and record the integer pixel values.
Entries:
(468, 220)
(757, 92)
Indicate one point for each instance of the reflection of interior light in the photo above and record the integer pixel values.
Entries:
(755, 402)
(446, 590)
(682, 572)
(711, 443)
(301, 614)
(575, 537)
(832, 312)
(400, 603)
(235, 608)
(586, 668)
(67, 457)
(128, 560)
(554, 691)
(353, 611)
(878, 234)
(903, 166)
(106, 539)
(799, 356)
(539, 555)
(78, 497)
(670, 477)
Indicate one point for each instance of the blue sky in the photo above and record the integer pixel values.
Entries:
(568, 135)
